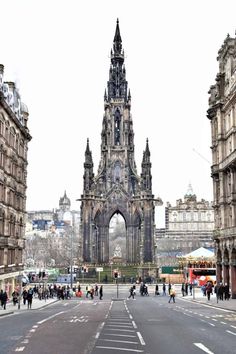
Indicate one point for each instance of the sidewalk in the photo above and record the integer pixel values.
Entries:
(197, 296)
(36, 304)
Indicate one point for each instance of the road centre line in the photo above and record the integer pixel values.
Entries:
(134, 324)
(141, 338)
(124, 349)
(231, 332)
(50, 317)
(131, 317)
(205, 349)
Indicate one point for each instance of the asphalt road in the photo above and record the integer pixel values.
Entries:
(147, 325)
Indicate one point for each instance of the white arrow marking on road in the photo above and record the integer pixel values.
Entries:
(201, 346)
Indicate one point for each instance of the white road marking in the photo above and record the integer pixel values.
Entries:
(120, 330)
(205, 349)
(36, 326)
(118, 341)
(120, 335)
(66, 304)
(114, 322)
(19, 349)
(120, 326)
(231, 333)
(140, 338)
(124, 349)
(134, 324)
(97, 335)
(211, 324)
(214, 319)
(32, 330)
(25, 341)
(131, 317)
(232, 326)
(50, 317)
(223, 322)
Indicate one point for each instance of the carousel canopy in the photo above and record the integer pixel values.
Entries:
(200, 253)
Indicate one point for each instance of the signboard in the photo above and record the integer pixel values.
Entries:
(170, 270)
(100, 269)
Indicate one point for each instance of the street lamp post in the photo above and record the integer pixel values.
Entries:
(69, 216)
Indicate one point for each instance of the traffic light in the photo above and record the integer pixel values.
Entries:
(116, 274)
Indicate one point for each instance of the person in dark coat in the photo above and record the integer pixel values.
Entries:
(157, 290)
(101, 292)
(30, 298)
(3, 297)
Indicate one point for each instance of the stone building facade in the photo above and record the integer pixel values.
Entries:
(222, 116)
(14, 138)
(188, 225)
(117, 188)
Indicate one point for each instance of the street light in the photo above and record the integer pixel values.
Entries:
(69, 217)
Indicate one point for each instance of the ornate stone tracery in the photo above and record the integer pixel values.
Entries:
(117, 188)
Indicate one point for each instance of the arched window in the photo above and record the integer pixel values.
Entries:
(117, 171)
(117, 127)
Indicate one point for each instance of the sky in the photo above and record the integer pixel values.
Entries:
(57, 52)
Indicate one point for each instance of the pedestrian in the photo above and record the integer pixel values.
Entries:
(101, 292)
(15, 296)
(183, 289)
(96, 290)
(4, 299)
(169, 287)
(157, 290)
(131, 292)
(164, 289)
(190, 288)
(209, 290)
(186, 288)
(172, 294)
(226, 291)
(24, 294)
(30, 298)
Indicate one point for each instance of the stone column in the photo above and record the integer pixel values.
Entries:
(233, 280)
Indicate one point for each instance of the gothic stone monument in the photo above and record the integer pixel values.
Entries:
(117, 188)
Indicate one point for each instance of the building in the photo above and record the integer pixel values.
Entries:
(49, 236)
(222, 116)
(117, 188)
(188, 225)
(14, 138)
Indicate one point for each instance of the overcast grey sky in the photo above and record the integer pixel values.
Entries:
(58, 53)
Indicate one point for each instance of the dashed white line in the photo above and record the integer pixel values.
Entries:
(223, 322)
(140, 338)
(232, 326)
(25, 341)
(231, 332)
(205, 349)
(211, 324)
(134, 324)
(19, 349)
(131, 317)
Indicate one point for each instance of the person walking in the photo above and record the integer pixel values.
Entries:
(3, 299)
(25, 294)
(209, 290)
(30, 298)
(157, 290)
(164, 289)
(15, 297)
(131, 292)
(101, 292)
(172, 294)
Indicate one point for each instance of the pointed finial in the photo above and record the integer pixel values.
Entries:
(129, 95)
(105, 95)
